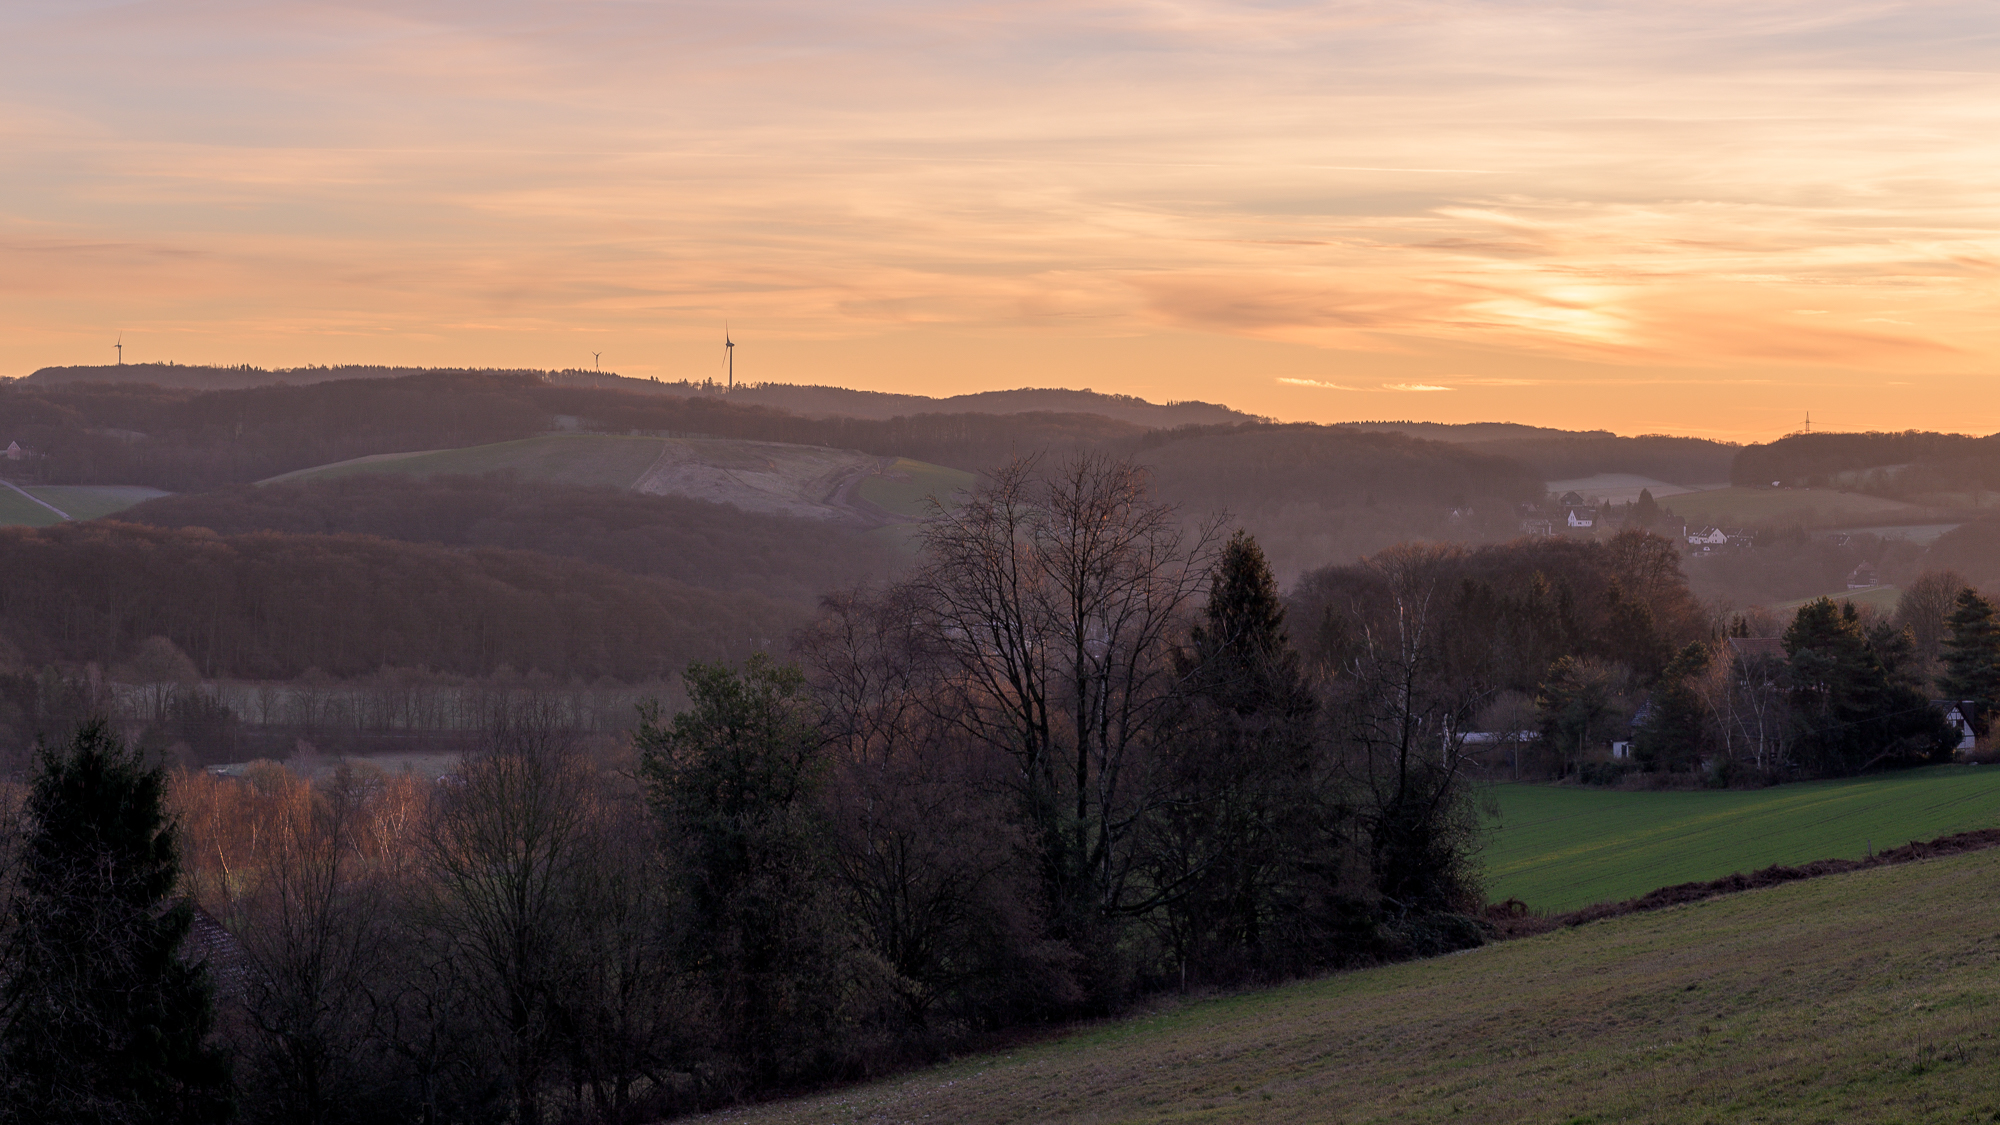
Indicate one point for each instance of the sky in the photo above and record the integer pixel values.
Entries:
(1692, 217)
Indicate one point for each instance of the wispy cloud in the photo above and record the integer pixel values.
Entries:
(882, 190)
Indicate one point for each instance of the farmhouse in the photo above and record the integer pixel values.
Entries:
(1959, 714)
(1581, 517)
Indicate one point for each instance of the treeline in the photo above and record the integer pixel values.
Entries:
(184, 440)
(717, 546)
(1838, 693)
(1677, 460)
(271, 606)
(1072, 760)
(1910, 463)
(1506, 613)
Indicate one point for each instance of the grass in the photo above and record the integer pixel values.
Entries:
(907, 486)
(17, 510)
(1883, 598)
(93, 501)
(1742, 507)
(1557, 848)
(601, 460)
(1866, 998)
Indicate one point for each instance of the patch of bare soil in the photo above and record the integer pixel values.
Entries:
(769, 477)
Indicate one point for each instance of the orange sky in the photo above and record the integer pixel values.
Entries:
(1700, 218)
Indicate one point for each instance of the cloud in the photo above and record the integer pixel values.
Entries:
(1318, 383)
(1413, 387)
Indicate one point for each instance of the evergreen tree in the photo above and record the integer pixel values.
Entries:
(1851, 707)
(1242, 814)
(105, 1022)
(1972, 657)
(735, 778)
(1242, 657)
(1675, 729)
(1645, 512)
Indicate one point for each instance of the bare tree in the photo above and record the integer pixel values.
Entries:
(1400, 720)
(506, 848)
(1924, 606)
(315, 938)
(1053, 600)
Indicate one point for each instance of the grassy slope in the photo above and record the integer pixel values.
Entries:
(1865, 997)
(92, 501)
(1883, 598)
(1733, 507)
(17, 510)
(604, 460)
(910, 497)
(1560, 848)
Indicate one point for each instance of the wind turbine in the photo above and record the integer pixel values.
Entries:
(729, 349)
(594, 357)
(120, 345)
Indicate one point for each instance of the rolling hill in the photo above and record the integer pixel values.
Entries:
(1865, 997)
(1773, 507)
(772, 478)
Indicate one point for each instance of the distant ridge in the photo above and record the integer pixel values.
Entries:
(205, 377)
(808, 400)
(1471, 431)
(821, 401)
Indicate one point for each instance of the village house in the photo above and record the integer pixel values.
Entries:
(14, 451)
(1959, 714)
(1580, 517)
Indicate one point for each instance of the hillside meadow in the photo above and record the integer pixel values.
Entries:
(1866, 997)
(1557, 848)
(1734, 507)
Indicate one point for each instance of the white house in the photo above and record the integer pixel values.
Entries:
(1708, 537)
(13, 451)
(1959, 714)
(1583, 517)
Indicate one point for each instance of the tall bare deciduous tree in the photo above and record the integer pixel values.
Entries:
(1054, 599)
(509, 844)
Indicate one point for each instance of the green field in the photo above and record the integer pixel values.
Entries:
(1743, 507)
(17, 510)
(600, 460)
(93, 501)
(907, 486)
(1558, 848)
(1883, 598)
(1867, 997)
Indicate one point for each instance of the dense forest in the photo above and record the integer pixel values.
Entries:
(1904, 464)
(795, 398)
(272, 606)
(712, 545)
(184, 440)
(1677, 460)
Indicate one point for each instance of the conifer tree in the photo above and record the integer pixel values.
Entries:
(104, 1020)
(1676, 727)
(1972, 657)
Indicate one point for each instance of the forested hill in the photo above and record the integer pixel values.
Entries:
(270, 606)
(832, 401)
(809, 400)
(1905, 464)
(711, 545)
(186, 440)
